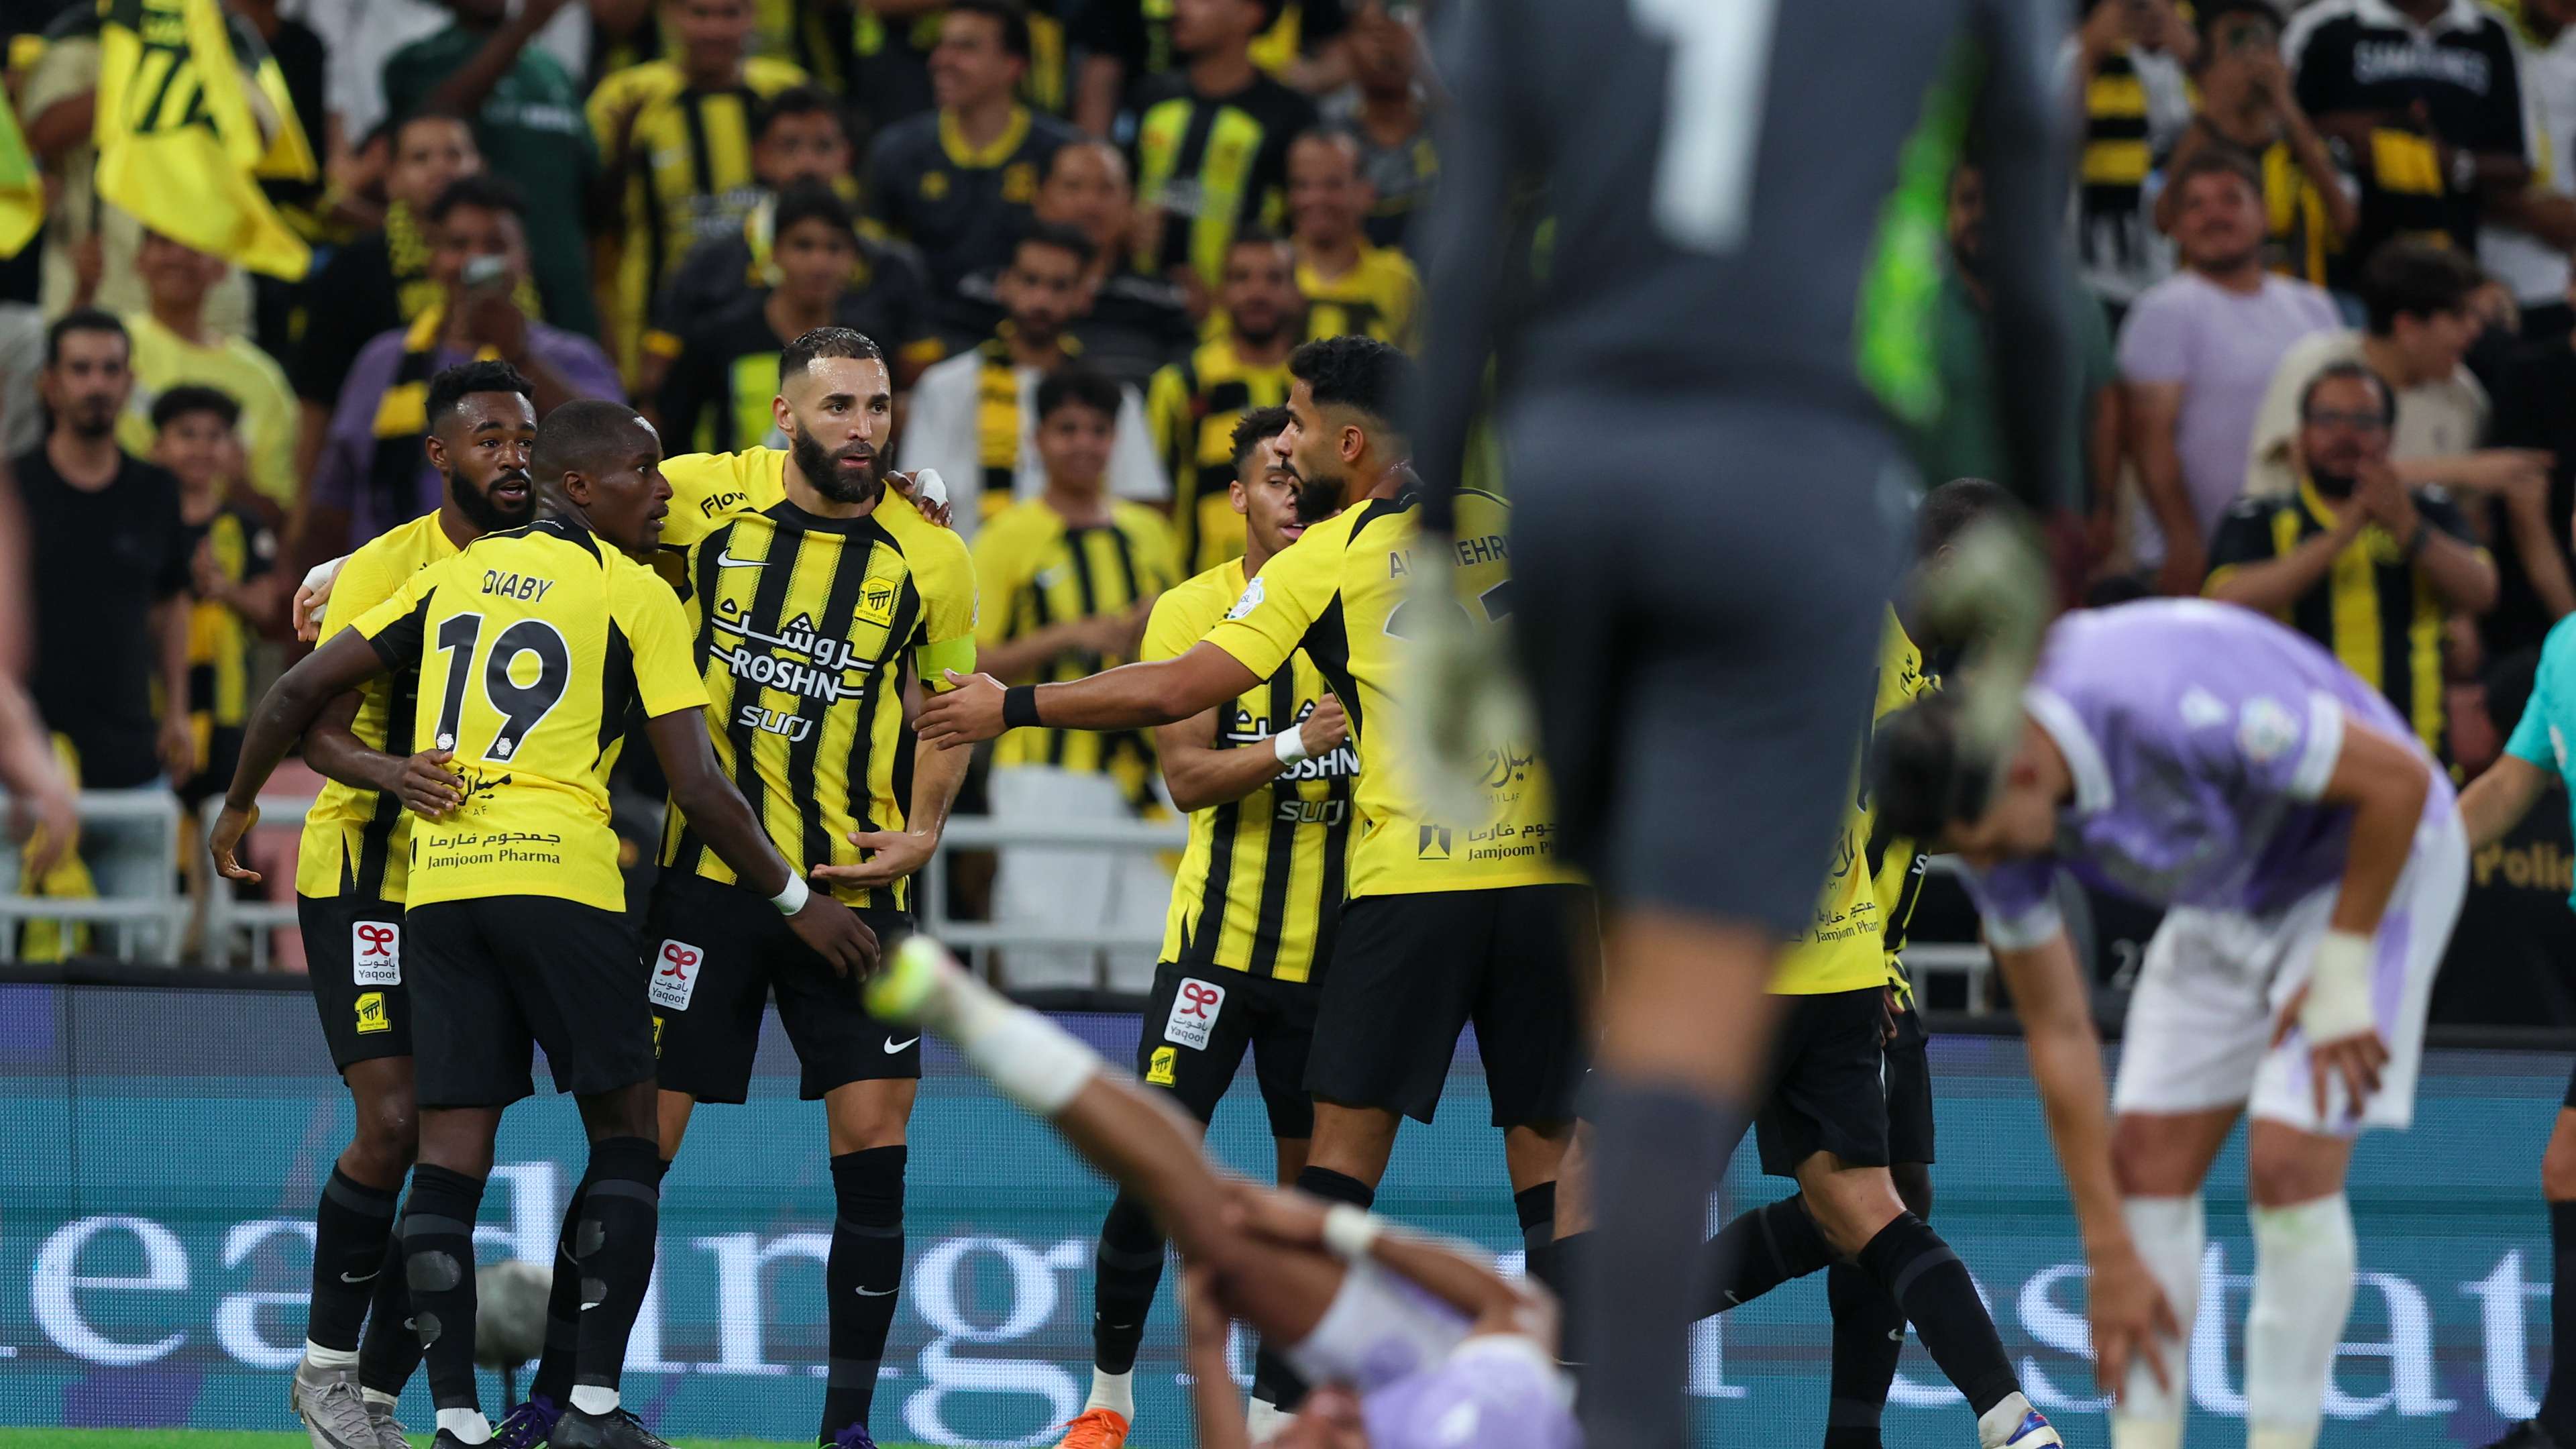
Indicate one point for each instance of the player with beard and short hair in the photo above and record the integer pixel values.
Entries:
(814, 613)
(349, 884)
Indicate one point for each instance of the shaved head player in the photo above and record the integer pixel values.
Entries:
(1703, 394)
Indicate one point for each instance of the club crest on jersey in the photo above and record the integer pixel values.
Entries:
(1194, 1013)
(1432, 843)
(375, 953)
(1164, 1068)
(675, 975)
(371, 1013)
(876, 601)
(1251, 599)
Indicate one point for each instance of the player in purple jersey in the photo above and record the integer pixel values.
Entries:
(2311, 861)
(1412, 1344)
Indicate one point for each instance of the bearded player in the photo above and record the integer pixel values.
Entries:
(350, 872)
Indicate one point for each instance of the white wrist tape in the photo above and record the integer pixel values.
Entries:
(1289, 745)
(792, 899)
(1350, 1231)
(932, 490)
(2338, 1002)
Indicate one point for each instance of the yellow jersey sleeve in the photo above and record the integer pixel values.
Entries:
(370, 577)
(1285, 599)
(657, 636)
(1182, 615)
(944, 572)
(395, 625)
(708, 488)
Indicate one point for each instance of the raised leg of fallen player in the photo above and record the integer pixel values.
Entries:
(1310, 1275)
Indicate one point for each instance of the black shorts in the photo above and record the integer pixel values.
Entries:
(1409, 971)
(501, 974)
(1828, 1084)
(1909, 1092)
(353, 954)
(1718, 578)
(1198, 1023)
(718, 951)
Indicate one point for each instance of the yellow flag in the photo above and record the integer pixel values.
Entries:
(22, 189)
(181, 144)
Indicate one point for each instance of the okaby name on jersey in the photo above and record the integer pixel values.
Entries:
(526, 587)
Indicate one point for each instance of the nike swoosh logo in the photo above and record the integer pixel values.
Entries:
(892, 1046)
(879, 1293)
(1896, 1335)
(725, 560)
(359, 1277)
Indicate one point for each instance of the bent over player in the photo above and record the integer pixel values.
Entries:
(530, 647)
(1438, 1349)
(2309, 853)
(1254, 910)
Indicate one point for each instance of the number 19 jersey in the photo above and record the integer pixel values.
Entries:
(531, 646)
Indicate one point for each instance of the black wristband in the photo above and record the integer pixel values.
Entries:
(1020, 706)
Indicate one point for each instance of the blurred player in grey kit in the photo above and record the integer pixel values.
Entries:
(1703, 377)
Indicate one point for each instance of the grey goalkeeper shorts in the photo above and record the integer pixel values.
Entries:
(1703, 587)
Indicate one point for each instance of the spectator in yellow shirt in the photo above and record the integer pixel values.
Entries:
(1351, 285)
(173, 345)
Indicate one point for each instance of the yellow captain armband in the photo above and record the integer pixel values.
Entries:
(936, 659)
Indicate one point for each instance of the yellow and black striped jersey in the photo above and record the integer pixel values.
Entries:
(686, 157)
(1260, 886)
(1846, 947)
(358, 842)
(2375, 610)
(242, 547)
(1341, 594)
(1191, 408)
(1381, 297)
(806, 629)
(1211, 165)
(1036, 571)
(530, 647)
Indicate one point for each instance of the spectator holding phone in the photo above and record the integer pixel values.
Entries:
(373, 474)
(2249, 109)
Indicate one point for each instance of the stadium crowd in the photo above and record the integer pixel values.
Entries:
(1111, 255)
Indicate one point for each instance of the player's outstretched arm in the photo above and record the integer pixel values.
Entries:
(285, 712)
(422, 782)
(2130, 1315)
(2496, 801)
(1130, 697)
(1200, 774)
(721, 817)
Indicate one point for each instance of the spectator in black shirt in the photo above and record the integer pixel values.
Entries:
(108, 556)
(2424, 100)
(1212, 144)
(1138, 322)
(1130, 46)
(718, 395)
(800, 138)
(959, 182)
(1386, 115)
